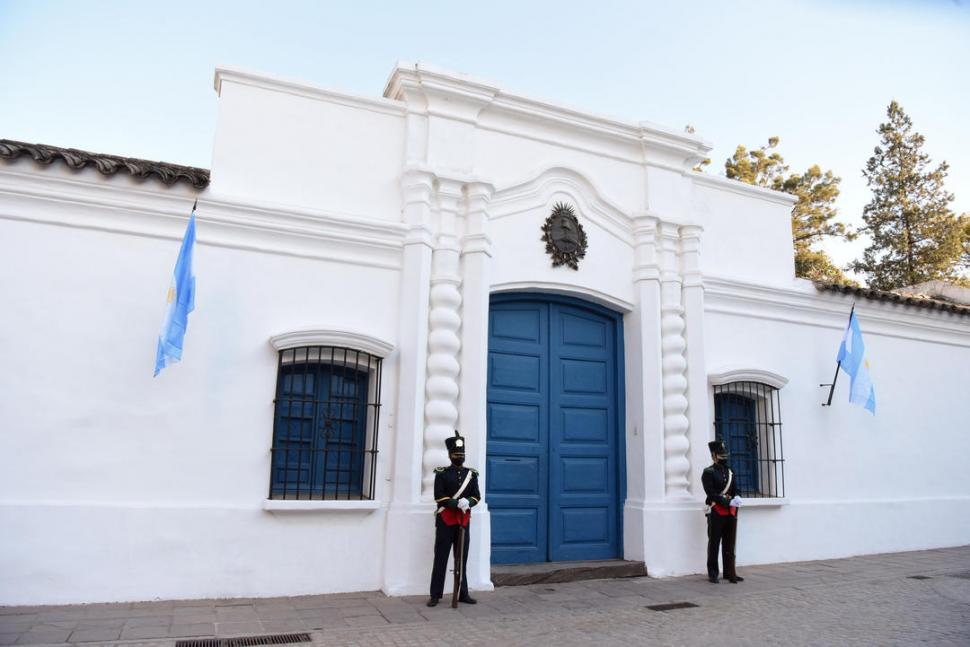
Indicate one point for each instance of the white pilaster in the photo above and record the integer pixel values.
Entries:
(644, 395)
(673, 345)
(407, 517)
(444, 343)
(476, 258)
(701, 429)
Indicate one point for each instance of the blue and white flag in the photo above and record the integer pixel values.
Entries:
(181, 301)
(852, 359)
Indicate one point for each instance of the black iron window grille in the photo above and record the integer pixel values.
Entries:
(747, 417)
(328, 406)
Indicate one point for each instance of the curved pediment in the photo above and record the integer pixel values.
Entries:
(561, 184)
(729, 374)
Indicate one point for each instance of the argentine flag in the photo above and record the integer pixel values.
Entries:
(852, 360)
(181, 301)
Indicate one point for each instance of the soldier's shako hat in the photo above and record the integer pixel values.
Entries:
(455, 444)
(717, 447)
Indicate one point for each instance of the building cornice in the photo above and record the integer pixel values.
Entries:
(802, 304)
(662, 145)
(302, 89)
(87, 203)
(741, 188)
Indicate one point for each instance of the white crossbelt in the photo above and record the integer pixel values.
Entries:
(464, 484)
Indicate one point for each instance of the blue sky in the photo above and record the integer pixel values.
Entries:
(135, 78)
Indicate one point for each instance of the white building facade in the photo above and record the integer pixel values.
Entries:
(372, 275)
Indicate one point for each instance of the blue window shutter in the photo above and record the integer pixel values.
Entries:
(320, 430)
(737, 425)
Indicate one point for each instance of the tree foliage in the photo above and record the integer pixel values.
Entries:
(813, 216)
(914, 235)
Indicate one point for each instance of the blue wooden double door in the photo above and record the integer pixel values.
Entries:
(553, 479)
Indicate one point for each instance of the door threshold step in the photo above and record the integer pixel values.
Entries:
(554, 572)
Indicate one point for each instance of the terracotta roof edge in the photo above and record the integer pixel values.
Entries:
(78, 159)
(883, 295)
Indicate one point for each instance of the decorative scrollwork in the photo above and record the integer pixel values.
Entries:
(564, 236)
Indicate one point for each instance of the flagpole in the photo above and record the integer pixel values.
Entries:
(838, 365)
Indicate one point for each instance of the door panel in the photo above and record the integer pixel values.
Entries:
(582, 436)
(552, 470)
(517, 469)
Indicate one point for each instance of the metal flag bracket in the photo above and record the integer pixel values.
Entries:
(838, 365)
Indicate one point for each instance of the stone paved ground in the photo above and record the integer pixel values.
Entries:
(869, 600)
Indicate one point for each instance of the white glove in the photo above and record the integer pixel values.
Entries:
(736, 502)
(463, 505)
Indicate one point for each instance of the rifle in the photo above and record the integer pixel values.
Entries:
(459, 562)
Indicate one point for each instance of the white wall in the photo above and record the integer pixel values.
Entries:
(854, 483)
(747, 231)
(119, 486)
(282, 143)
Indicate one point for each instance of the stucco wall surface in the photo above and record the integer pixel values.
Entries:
(120, 486)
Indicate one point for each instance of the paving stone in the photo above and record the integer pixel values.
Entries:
(201, 629)
(359, 610)
(8, 638)
(15, 627)
(149, 621)
(404, 618)
(282, 613)
(41, 636)
(224, 629)
(242, 614)
(101, 623)
(150, 631)
(366, 621)
(95, 635)
(290, 625)
(853, 601)
(61, 614)
(192, 610)
(311, 616)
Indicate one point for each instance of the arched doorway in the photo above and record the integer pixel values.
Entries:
(555, 382)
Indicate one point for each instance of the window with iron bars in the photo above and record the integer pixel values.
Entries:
(325, 429)
(747, 418)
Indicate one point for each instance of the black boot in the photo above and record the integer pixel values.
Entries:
(433, 602)
(735, 579)
(712, 579)
(467, 599)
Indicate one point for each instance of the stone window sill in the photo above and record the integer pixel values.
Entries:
(768, 502)
(279, 505)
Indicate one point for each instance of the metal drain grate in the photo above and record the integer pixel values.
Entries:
(918, 577)
(671, 606)
(245, 641)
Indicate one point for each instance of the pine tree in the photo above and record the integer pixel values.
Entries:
(813, 216)
(915, 237)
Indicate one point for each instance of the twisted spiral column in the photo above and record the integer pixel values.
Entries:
(444, 343)
(674, 367)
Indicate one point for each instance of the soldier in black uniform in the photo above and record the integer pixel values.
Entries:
(721, 488)
(455, 494)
